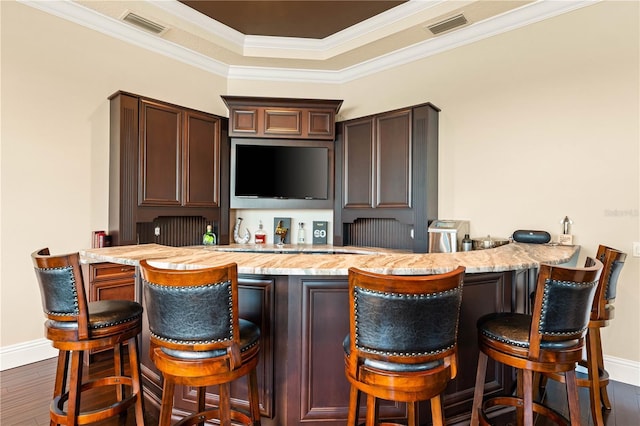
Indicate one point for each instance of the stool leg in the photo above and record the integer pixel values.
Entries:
(598, 352)
(411, 414)
(167, 402)
(436, 411)
(62, 372)
(527, 395)
(572, 397)
(372, 410)
(478, 392)
(254, 401)
(354, 406)
(594, 378)
(225, 404)
(136, 388)
(75, 387)
(118, 368)
(520, 421)
(201, 393)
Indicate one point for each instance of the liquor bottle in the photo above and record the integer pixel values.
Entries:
(209, 238)
(301, 233)
(260, 235)
(467, 244)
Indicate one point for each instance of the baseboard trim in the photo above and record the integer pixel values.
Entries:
(620, 370)
(26, 353)
(623, 370)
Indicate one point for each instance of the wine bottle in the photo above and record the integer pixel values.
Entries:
(467, 244)
(260, 235)
(209, 238)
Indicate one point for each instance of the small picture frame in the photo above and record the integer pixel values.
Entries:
(320, 231)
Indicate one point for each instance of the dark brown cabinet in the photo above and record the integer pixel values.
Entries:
(387, 179)
(179, 157)
(109, 281)
(290, 118)
(165, 161)
(377, 158)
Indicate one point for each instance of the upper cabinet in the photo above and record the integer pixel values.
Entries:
(377, 161)
(165, 161)
(386, 190)
(179, 156)
(290, 118)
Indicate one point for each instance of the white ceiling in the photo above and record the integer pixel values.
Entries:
(392, 38)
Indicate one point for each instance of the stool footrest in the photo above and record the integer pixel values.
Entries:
(513, 401)
(237, 416)
(59, 415)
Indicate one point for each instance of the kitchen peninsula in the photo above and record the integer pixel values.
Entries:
(298, 297)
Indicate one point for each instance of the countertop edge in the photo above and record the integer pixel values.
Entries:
(330, 260)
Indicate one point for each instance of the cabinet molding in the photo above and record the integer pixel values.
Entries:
(290, 118)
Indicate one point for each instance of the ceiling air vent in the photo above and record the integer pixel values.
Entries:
(144, 23)
(447, 24)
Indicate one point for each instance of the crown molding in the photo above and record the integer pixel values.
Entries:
(523, 16)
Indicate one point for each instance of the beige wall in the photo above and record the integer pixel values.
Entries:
(537, 123)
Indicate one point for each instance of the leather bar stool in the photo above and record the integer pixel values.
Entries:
(75, 326)
(402, 342)
(551, 339)
(198, 340)
(602, 311)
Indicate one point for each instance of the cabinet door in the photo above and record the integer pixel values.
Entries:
(160, 154)
(358, 164)
(393, 160)
(200, 180)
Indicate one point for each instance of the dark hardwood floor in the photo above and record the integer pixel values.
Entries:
(26, 394)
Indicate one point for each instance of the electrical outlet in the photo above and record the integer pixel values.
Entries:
(157, 231)
(636, 249)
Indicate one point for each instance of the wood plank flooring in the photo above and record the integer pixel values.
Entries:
(26, 394)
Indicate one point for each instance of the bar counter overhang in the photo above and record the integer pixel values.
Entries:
(298, 297)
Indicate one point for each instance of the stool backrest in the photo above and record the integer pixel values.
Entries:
(62, 288)
(563, 301)
(405, 319)
(613, 261)
(192, 309)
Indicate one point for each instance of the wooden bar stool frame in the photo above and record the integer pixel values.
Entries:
(602, 312)
(551, 339)
(74, 327)
(402, 342)
(198, 339)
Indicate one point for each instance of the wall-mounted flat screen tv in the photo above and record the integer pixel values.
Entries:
(281, 171)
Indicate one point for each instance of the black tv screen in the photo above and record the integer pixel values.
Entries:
(282, 172)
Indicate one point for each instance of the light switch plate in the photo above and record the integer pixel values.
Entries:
(636, 249)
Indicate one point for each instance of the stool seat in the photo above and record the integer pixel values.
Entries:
(514, 329)
(402, 341)
(550, 339)
(198, 339)
(75, 326)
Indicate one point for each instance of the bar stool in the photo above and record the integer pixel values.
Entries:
(74, 326)
(402, 340)
(602, 311)
(197, 339)
(551, 339)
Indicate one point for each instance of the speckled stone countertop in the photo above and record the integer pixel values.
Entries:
(333, 260)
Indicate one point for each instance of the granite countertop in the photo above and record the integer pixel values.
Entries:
(333, 260)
